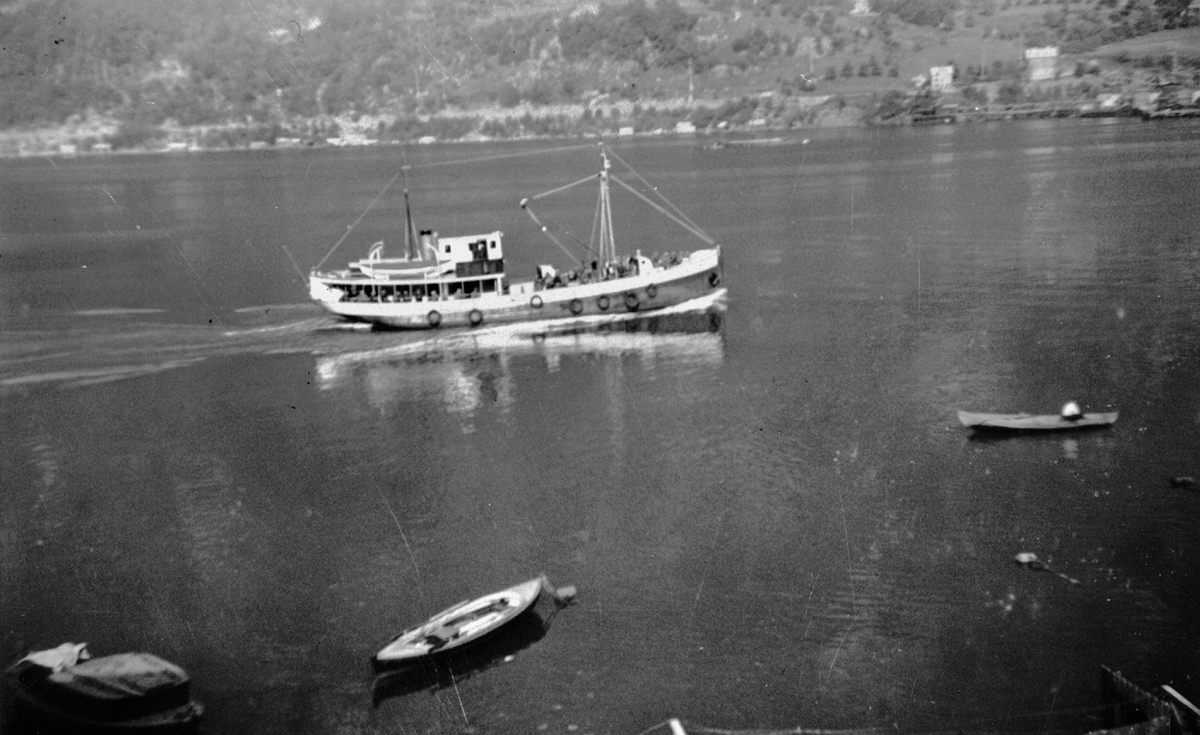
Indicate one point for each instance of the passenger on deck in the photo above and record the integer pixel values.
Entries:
(1071, 411)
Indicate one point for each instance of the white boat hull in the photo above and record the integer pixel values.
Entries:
(697, 275)
(459, 625)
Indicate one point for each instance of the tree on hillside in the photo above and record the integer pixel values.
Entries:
(1174, 13)
(929, 13)
(658, 35)
(513, 40)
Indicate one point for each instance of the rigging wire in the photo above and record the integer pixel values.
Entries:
(562, 188)
(654, 188)
(690, 228)
(601, 220)
(564, 230)
(351, 227)
(502, 156)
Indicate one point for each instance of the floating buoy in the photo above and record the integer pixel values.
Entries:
(565, 595)
(1030, 560)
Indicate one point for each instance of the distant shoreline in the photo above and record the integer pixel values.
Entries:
(90, 140)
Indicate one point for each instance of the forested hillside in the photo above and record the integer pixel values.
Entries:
(210, 62)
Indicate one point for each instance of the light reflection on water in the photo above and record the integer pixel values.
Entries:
(465, 368)
(771, 513)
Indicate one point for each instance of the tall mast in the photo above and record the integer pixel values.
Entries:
(412, 250)
(608, 247)
(410, 236)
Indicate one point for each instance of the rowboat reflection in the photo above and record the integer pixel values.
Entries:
(439, 673)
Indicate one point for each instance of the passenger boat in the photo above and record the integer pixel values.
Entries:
(459, 625)
(64, 690)
(461, 281)
(1032, 422)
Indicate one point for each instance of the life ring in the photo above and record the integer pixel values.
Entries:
(475, 317)
(631, 301)
(652, 290)
(714, 279)
(602, 302)
(536, 302)
(576, 307)
(434, 318)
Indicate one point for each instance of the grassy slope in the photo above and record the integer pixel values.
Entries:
(1180, 40)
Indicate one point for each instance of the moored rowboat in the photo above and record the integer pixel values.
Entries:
(459, 625)
(1034, 422)
(64, 690)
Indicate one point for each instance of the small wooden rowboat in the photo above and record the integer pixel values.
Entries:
(64, 690)
(1032, 422)
(459, 625)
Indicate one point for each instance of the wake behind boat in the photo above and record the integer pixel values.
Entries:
(461, 281)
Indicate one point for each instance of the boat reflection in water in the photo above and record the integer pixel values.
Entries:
(435, 673)
(465, 367)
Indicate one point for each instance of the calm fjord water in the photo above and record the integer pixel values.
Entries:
(771, 514)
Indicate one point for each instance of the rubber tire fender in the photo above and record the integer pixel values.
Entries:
(475, 317)
(631, 301)
(603, 303)
(434, 318)
(576, 307)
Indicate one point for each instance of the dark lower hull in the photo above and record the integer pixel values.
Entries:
(24, 714)
(1030, 423)
(29, 705)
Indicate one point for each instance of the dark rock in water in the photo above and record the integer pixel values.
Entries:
(1187, 482)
